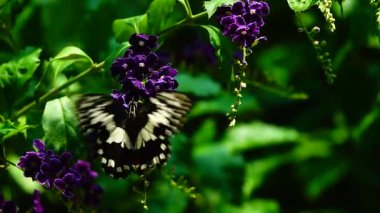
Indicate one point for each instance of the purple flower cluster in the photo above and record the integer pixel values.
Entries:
(11, 207)
(140, 72)
(7, 206)
(37, 205)
(243, 20)
(51, 169)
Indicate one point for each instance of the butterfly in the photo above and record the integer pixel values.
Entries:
(132, 143)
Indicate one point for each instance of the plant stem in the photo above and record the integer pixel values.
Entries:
(54, 91)
(322, 58)
(238, 79)
(190, 13)
(11, 163)
(186, 21)
(305, 30)
(281, 92)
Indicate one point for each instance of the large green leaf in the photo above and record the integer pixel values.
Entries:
(257, 135)
(221, 105)
(124, 28)
(68, 56)
(206, 133)
(205, 86)
(301, 5)
(21, 69)
(215, 37)
(158, 13)
(59, 122)
(212, 6)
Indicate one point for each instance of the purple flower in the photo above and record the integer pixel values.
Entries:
(92, 195)
(91, 190)
(37, 205)
(143, 44)
(84, 169)
(52, 170)
(7, 206)
(68, 183)
(31, 163)
(222, 11)
(243, 20)
(39, 144)
(140, 73)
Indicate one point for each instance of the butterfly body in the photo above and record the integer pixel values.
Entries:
(132, 142)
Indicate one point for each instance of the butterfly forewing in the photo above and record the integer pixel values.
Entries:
(132, 143)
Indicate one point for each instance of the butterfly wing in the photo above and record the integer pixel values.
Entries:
(127, 144)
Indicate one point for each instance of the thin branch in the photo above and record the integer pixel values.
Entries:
(184, 22)
(54, 91)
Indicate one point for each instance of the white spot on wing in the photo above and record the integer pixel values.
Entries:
(119, 169)
(156, 160)
(162, 156)
(163, 146)
(104, 160)
(100, 151)
(119, 135)
(111, 163)
(168, 132)
(143, 167)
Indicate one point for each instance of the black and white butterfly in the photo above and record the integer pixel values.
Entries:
(128, 143)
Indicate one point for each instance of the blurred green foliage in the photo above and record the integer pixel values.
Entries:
(300, 144)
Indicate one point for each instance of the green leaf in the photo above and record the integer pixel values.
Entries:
(68, 56)
(378, 18)
(312, 148)
(319, 180)
(21, 69)
(254, 206)
(158, 13)
(205, 85)
(206, 133)
(59, 123)
(9, 128)
(257, 171)
(366, 123)
(212, 6)
(301, 5)
(257, 135)
(340, 2)
(215, 37)
(124, 28)
(221, 105)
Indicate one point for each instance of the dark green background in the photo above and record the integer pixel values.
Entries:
(300, 144)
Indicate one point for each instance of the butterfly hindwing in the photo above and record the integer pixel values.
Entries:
(132, 143)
